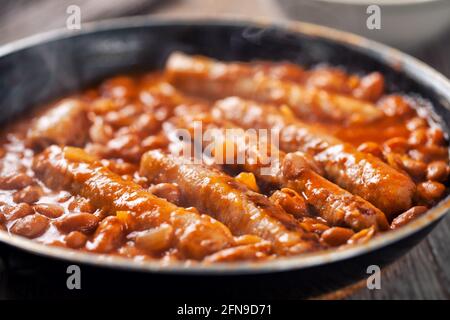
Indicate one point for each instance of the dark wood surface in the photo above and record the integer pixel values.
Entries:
(423, 273)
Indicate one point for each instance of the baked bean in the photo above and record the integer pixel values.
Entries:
(416, 123)
(395, 105)
(129, 249)
(287, 112)
(371, 147)
(429, 153)
(77, 221)
(418, 155)
(249, 252)
(15, 181)
(313, 220)
(290, 201)
(408, 216)
(434, 152)
(336, 236)
(145, 124)
(168, 191)
(418, 137)
(120, 167)
(154, 142)
(119, 87)
(332, 79)
(429, 191)
(362, 236)
(19, 211)
(162, 112)
(122, 118)
(125, 146)
(394, 160)
(123, 142)
(142, 181)
(435, 136)
(101, 214)
(75, 240)
(63, 196)
(314, 225)
(146, 220)
(100, 132)
(79, 204)
(287, 72)
(127, 177)
(97, 150)
(49, 210)
(437, 171)
(30, 194)
(415, 168)
(317, 228)
(370, 87)
(155, 240)
(104, 105)
(31, 226)
(191, 243)
(108, 235)
(396, 145)
(247, 239)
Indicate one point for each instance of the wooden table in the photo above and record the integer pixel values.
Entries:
(424, 273)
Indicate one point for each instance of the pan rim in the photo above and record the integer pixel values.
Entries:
(413, 67)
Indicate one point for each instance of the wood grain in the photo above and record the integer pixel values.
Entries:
(424, 273)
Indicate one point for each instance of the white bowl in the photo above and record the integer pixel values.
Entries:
(405, 24)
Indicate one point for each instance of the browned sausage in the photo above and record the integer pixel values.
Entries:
(203, 76)
(72, 169)
(64, 124)
(295, 171)
(362, 174)
(242, 210)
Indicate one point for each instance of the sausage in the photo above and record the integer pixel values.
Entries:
(295, 171)
(203, 76)
(362, 174)
(336, 205)
(369, 177)
(239, 208)
(74, 170)
(64, 124)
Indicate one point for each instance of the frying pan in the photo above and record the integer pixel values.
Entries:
(47, 66)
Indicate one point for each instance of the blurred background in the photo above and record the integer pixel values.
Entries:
(406, 24)
(419, 27)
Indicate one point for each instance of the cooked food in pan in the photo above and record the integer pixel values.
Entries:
(209, 161)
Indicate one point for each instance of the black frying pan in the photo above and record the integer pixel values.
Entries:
(48, 66)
